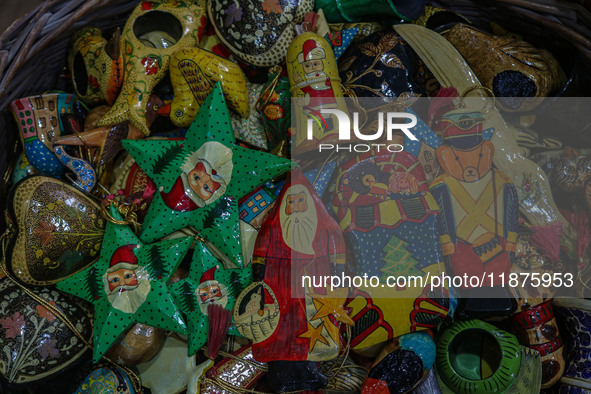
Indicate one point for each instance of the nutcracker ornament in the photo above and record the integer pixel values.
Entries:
(479, 210)
(200, 180)
(128, 284)
(293, 324)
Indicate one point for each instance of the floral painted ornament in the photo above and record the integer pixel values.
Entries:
(153, 33)
(128, 284)
(208, 283)
(201, 179)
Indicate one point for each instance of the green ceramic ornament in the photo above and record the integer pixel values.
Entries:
(201, 179)
(128, 284)
(208, 283)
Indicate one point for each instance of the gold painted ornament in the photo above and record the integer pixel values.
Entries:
(96, 66)
(194, 72)
(153, 33)
(54, 231)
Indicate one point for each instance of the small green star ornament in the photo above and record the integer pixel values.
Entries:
(201, 178)
(127, 285)
(208, 283)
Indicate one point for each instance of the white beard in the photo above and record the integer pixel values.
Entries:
(131, 299)
(222, 301)
(300, 236)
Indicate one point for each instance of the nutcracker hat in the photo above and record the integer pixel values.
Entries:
(311, 51)
(461, 129)
(208, 277)
(123, 258)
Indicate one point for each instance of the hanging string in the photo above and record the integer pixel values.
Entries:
(135, 379)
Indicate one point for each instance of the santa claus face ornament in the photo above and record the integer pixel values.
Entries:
(201, 179)
(128, 284)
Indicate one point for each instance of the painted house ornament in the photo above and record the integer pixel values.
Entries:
(200, 180)
(128, 284)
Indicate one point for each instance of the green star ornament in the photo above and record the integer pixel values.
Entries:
(128, 285)
(208, 283)
(201, 178)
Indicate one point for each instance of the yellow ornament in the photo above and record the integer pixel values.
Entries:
(194, 72)
(153, 33)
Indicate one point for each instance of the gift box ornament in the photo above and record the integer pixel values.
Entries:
(54, 231)
(401, 365)
(315, 85)
(476, 357)
(154, 31)
(39, 121)
(389, 219)
(293, 326)
(511, 68)
(128, 284)
(36, 343)
(96, 66)
(194, 72)
(257, 32)
(383, 65)
(200, 179)
(355, 11)
(106, 380)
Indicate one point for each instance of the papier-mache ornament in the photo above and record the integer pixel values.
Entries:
(201, 178)
(105, 379)
(193, 73)
(315, 85)
(293, 325)
(274, 103)
(154, 31)
(53, 230)
(257, 32)
(96, 66)
(128, 284)
(209, 283)
(389, 219)
(479, 210)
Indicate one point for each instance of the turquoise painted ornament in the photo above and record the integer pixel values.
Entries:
(128, 284)
(208, 283)
(200, 180)
(340, 40)
(106, 380)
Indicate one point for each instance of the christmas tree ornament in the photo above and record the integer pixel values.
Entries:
(53, 230)
(514, 70)
(106, 380)
(389, 218)
(292, 325)
(401, 365)
(315, 84)
(274, 103)
(201, 178)
(96, 66)
(208, 284)
(139, 345)
(476, 357)
(258, 33)
(479, 211)
(128, 284)
(194, 72)
(39, 121)
(37, 344)
(154, 31)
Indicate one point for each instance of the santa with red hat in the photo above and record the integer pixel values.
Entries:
(316, 85)
(205, 175)
(210, 291)
(126, 283)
